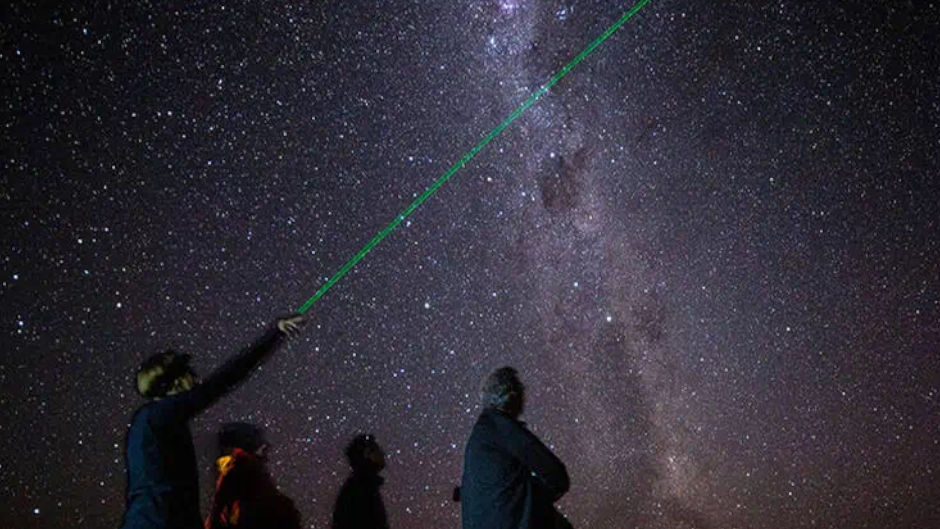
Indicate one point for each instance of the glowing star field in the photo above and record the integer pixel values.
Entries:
(710, 249)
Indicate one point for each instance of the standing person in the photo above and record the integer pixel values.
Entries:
(245, 495)
(359, 504)
(162, 476)
(510, 478)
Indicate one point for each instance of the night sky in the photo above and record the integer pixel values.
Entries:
(711, 250)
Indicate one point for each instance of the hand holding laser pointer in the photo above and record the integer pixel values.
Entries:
(290, 325)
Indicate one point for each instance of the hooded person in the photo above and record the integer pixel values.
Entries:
(245, 495)
(359, 503)
(162, 475)
(510, 478)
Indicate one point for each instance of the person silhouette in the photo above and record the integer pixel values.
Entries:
(245, 495)
(510, 478)
(162, 480)
(359, 503)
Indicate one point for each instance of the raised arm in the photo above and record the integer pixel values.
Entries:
(237, 368)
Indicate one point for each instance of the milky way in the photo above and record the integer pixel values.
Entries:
(710, 250)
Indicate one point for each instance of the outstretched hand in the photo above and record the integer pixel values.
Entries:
(290, 325)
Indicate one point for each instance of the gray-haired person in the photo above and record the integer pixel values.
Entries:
(510, 478)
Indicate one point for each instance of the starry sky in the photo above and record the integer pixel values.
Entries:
(711, 250)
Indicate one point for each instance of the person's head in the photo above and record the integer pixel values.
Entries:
(165, 374)
(365, 454)
(503, 391)
(242, 435)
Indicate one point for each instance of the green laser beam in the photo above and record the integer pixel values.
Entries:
(466, 158)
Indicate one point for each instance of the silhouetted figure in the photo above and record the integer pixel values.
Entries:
(359, 504)
(162, 480)
(245, 495)
(510, 478)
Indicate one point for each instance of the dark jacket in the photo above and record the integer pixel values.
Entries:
(510, 478)
(359, 504)
(247, 498)
(162, 480)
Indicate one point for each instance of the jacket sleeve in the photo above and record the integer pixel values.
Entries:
(546, 467)
(228, 375)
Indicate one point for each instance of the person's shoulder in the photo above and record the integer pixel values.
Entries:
(172, 409)
(488, 415)
(489, 423)
(349, 487)
(361, 481)
(162, 408)
(496, 419)
(484, 421)
(148, 410)
(139, 421)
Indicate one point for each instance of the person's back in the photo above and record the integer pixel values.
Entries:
(359, 503)
(163, 488)
(510, 478)
(247, 498)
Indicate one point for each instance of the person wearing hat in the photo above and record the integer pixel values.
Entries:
(162, 480)
(245, 495)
